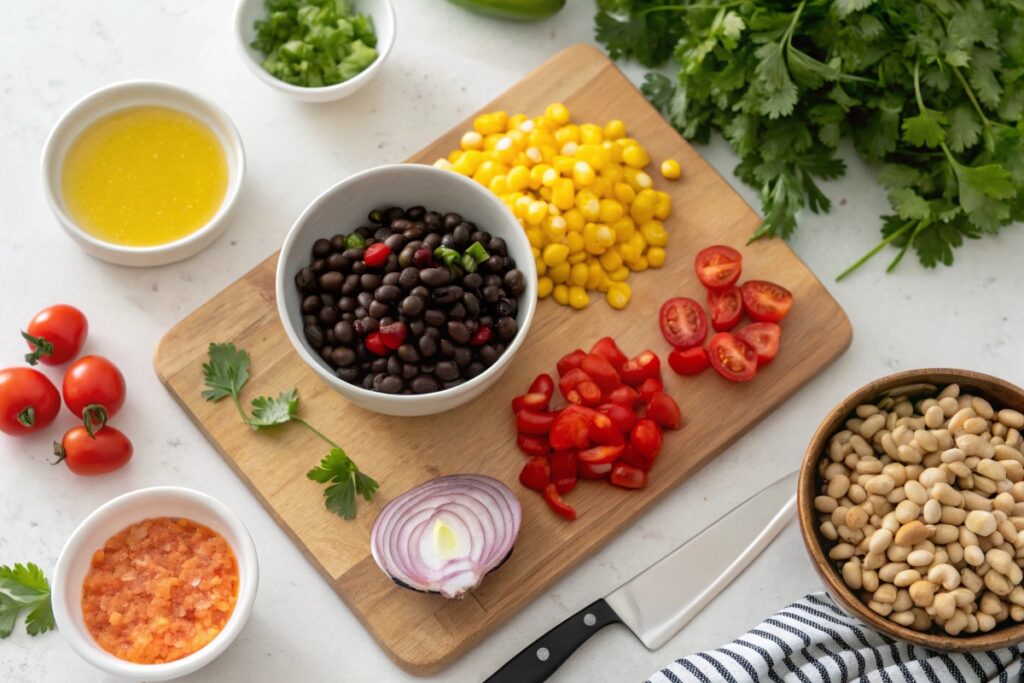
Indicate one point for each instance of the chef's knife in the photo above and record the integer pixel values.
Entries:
(662, 599)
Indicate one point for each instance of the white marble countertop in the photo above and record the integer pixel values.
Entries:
(446, 63)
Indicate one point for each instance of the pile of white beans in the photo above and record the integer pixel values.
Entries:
(922, 506)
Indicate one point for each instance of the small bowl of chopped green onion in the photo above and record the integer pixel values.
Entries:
(315, 50)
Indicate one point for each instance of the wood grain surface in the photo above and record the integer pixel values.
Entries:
(423, 633)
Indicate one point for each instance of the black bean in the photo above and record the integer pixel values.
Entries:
(515, 282)
(506, 328)
(420, 291)
(451, 220)
(424, 384)
(368, 381)
(330, 338)
(308, 319)
(408, 353)
(472, 281)
(348, 374)
(433, 332)
(448, 241)
(351, 285)
(473, 326)
(328, 316)
(379, 365)
(391, 384)
(454, 383)
(447, 295)
(488, 354)
(506, 306)
(387, 320)
(432, 218)
(410, 370)
(338, 243)
(359, 267)
(411, 306)
(497, 247)
(392, 265)
(394, 365)
(305, 280)
(508, 262)
(319, 267)
(375, 216)
(344, 332)
(492, 280)
(348, 316)
(328, 299)
(367, 325)
(314, 335)
(353, 255)
(474, 369)
(321, 248)
(393, 213)
(434, 317)
(400, 224)
(434, 277)
(416, 213)
(426, 345)
(472, 304)
(347, 304)
(408, 278)
(388, 294)
(493, 264)
(427, 368)
(359, 313)
(405, 256)
(457, 312)
(446, 348)
(342, 356)
(416, 328)
(417, 231)
(446, 370)
(463, 356)
(338, 262)
(484, 238)
(395, 242)
(390, 278)
(432, 241)
(325, 353)
(458, 332)
(311, 304)
(491, 293)
(364, 298)
(369, 281)
(377, 309)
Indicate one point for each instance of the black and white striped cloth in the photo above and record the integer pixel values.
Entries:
(813, 640)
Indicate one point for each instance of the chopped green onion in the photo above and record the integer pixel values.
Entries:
(354, 241)
(445, 255)
(477, 251)
(468, 263)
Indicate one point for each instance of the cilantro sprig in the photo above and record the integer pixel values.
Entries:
(932, 92)
(227, 372)
(24, 587)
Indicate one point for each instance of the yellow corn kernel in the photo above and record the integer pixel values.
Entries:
(518, 178)
(557, 113)
(515, 121)
(560, 293)
(670, 169)
(605, 284)
(443, 164)
(615, 155)
(624, 229)
(637, 242)
(536, 212)
(536, 174)
(618, 295)
(544, 287)
(548, 152)
(548, 175)
(663, 207)
(563, 164)
(611, 211)
(654, 233)
(625, 142)
(604, 235)
(536, 252)
(582, 174)
(555, 254)
(595, 274)
(601, 187)
(639, 264)
(567, 133)
(467, 162)
(642, 208)
(578, 257)
(487, 170)
(614, 129)
(542, 267)
(591, 134)
(638, 180)
(541, 137)
(620, 274)
(545, 194)
(636, 156)
(535, 237)
(579, 273)
(555, 228)
(518, 138)
(471, 140)
(610, 260)
(563, 194)
(588, 204)
(522, 203)
(655, 257)
(574, 241)
(590, 239)
(498, 184)
(595, 155)
(505, 151)
(624, 193)
(559, 273)
(578, 298)
(491, 123)
(574, 219)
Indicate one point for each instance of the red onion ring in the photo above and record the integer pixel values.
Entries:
(480, 514)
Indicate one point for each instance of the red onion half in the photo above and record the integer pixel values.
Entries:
(444, 535)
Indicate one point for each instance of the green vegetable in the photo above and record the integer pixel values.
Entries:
(517, 10)
(934, 91)
(477, 251)
(468, 263)
(314, 43)
(24, 587)
(228, 371)
(446, 256)
(354, 241)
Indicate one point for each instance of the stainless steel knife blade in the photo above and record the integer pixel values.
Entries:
(658, 602)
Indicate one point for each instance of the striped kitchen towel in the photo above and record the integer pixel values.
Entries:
(813, 640)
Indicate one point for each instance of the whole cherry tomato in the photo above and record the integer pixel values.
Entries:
(94, 389)
(55, 335)
(98, 453)
(28, 401)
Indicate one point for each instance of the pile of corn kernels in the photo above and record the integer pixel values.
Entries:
(580, 192)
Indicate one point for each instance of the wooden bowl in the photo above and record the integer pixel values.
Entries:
(1003, 395)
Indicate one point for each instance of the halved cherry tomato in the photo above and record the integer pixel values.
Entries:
(726, 308)
(532, 422)
(570, 361)
(689, 361)
(622, 416)
(556, 503)
(732, 358)
(663, 409)
(624, 396)
(683, 322)
(646, 438)
(533, 445)
(93, 453)
(543, 384)
(536, 474)
(631, 457)
(628, 477)
(642, 367)
(569, 430)
(606, 346)
(718, 266)
(600, 455)
(531, 401)
(593, 471)
(28, 401)
(579, 388)
(649, 388)
(764, 338)
(766, 302)
(563, 470)
(601, 371)
(55, 335)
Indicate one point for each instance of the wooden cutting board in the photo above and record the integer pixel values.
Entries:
(423, 633)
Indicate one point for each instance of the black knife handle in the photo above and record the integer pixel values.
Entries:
(543, 657)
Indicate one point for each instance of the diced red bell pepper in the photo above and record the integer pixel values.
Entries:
(536, 473)
(624, 396)
(628, 477)
(568, 431)
(593, 471)
(642, 367)
(646, 438)
(376, 255)
(606, 346)
(532, 401)
(375, 344)
(570, 361)
(533, 422)
(663, 409)
(563, 470)
(393, 335)
(481, 336)
(649, 388)
(533, 445)
(622, 416)
(556, 503)
(601, 371)
(600, 455)
(543, 384)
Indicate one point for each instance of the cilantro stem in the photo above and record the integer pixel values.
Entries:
(788, 35)
(241, 410)
(899, 256)
(970, 95)
(315, 431)
(878, 247)
(917, 87)
(687, 8)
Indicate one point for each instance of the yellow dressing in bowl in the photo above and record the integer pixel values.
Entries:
(144, 176)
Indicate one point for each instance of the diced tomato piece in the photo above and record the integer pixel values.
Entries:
(649, 388)
(603, 430)
(646, 438)
(601, 371)
(631, 457)
(622, 416)
(543, 384)
(579, 388)
(600, 455)
(532, 422)
(375, 344)
(570, 361)
(569, 430)
(533, 445)
(663, 409)
(556, 503)
(563, 470)
(536, 474)
(624, 396)
(683, 322)
(393, 334)
(689, 361)
(766, 302)
(376, 255)
(628, 477)
(726, 308)
(644, 366)
(532, 401)
(718, 266)
(763, 338)
(606, 346)
(593, 471)
(732, 358)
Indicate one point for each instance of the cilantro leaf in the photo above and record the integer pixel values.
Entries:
(925, 129)
(964, 128)
(226, 372)
(25, 587)
(980, 187)
(346, 482)
(909, 204)
(268, 411)
(777, 88)
(844, 8)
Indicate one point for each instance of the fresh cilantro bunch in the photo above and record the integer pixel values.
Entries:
(933, 91)
(228, 371)
(24, 587)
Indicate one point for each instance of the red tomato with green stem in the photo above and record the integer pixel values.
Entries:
(726, 308)
(28, 401)
(690, 361)
(55, 334)
(683, 322)
(718, 266)
(763, 338)
(94, 390)
(732, 358)
(766, 302)
(90, 453)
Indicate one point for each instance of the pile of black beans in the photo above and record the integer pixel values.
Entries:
(397, 319)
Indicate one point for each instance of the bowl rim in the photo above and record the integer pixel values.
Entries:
(528, 303)
(75, 547)
(1003, 636)
(353, 84)
(232, 147)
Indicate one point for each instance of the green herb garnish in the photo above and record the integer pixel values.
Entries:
(313, 43)
(931, 90)
(24, 587)
(228, 371)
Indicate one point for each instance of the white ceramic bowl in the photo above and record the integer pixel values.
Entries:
(343, 208)
(134, 94)
(113, 517)
(383, 14)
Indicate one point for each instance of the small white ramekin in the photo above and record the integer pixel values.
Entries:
(248, 11)
(120, 96)
(113, 517)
